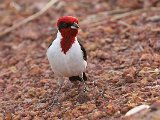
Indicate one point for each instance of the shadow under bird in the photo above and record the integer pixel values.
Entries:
(66, 54)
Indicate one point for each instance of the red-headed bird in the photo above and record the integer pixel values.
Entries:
(66, 54)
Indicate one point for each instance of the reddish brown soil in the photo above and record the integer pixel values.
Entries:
(123, 61)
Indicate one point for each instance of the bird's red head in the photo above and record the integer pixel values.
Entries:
(68, 27)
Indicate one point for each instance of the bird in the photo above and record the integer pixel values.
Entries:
(66, 55)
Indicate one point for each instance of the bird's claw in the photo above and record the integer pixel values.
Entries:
(86, 89)
(54, 102)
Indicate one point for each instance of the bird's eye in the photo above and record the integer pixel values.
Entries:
(64, 25)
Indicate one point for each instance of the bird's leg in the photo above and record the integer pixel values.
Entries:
(84, 84)
(55, 98)
(60, 84)
(101, 92)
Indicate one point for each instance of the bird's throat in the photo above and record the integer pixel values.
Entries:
(66, 43)
(68, 38)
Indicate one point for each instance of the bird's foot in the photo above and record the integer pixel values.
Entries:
(85, 89)
(55, 101)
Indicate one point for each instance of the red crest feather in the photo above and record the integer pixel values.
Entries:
(67, 19)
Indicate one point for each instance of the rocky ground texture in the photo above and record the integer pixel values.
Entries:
(122, 39)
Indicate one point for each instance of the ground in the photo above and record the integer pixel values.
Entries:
(123, 45)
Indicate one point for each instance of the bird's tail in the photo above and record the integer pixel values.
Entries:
(74, 78)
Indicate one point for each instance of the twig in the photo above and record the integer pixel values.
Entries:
(30, 18)
(125, 24)
(119, 16)
(102, 15)
(155, 18)
(101, 18)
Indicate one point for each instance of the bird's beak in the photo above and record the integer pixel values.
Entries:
(74, 26)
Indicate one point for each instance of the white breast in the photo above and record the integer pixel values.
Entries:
(69, 64)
